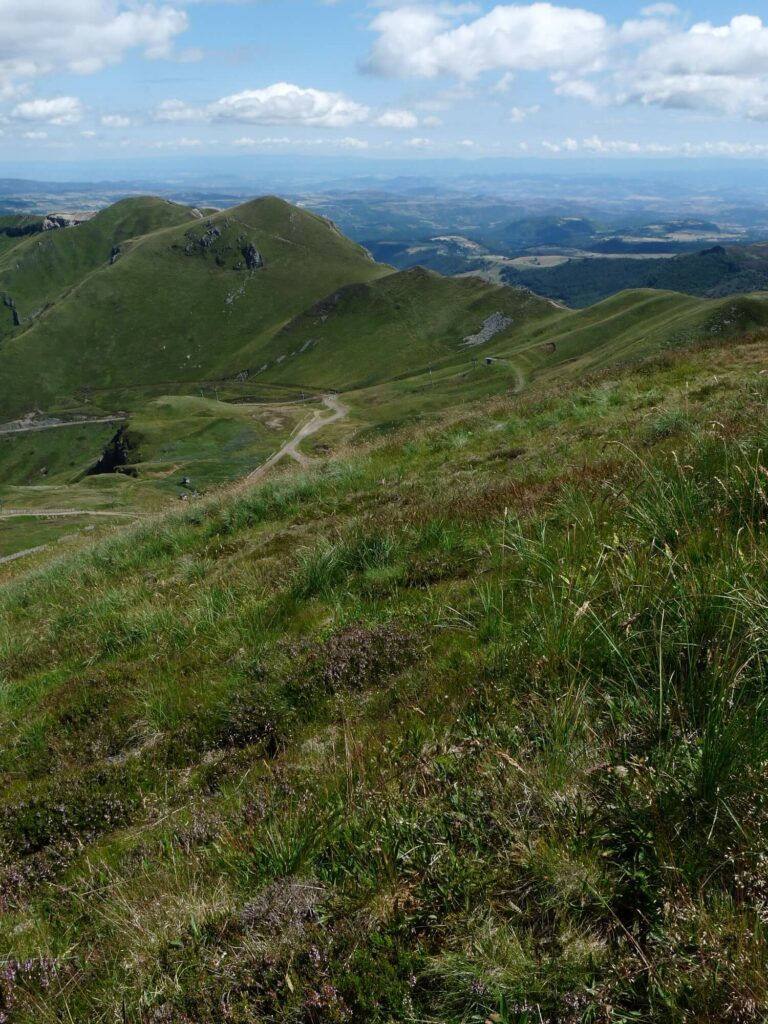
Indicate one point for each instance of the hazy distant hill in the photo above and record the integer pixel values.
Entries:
(712, 273)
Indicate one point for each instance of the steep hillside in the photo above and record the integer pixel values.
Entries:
(396, 326)
(44, 264)
(468, 724)
(177, 305)
(564, 346)
(148, 299)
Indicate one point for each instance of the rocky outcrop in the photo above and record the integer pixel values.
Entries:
(492, 325)
(204, 242)
(252, 256)
(53, 222)
(11, 304)
(117, 456)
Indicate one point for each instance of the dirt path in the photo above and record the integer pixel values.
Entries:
(291, 447)
(34, 427)
(22, 554)
(60, 513)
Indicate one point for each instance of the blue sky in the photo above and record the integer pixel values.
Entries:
(100, 78)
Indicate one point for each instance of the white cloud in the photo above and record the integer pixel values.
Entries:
(35, 136)
(660, 11)
(178, 110)
(432, 122)
(419, 143)
(579, 89)
(398, 119)
(504, 84)
(415, 41)
(42, 36)
(643, 30)
(566, 146)
(284, 103)
(597, 145)
(722, 68)
(650, 60)
(116, 121)
(626, 147)
(348, 142)
(60, 110)
(518, 114)
(281, 103)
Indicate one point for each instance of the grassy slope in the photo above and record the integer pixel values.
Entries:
(51, 456)
(173, 437)
(395, 329)
(361, 745)
(208, 441)
(318, 314)
(206, 318)
(11, 222)
(621, 329)
(395, 326)
(38, 269)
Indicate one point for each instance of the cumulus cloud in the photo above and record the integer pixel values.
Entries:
(397, 119)
(504, 84)
(178, 110)
(281, 103)
(710, 67)
(518, 114)
(116, 121)
(42, 36)
(650, 60)
(566, 146)
(60, 110)
(660, 11)
(422, 42)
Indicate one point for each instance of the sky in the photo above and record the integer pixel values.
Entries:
(90, 79)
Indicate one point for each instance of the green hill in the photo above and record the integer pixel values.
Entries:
(219, 287)
(40, 267)
(396, 326)
(267, 295)
(163, 316)
(559, 346)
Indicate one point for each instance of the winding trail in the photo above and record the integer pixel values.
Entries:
(22, 554)
(291, 446)
(32, 428)
(62, 513)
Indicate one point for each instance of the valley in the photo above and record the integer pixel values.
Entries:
(260, 313)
